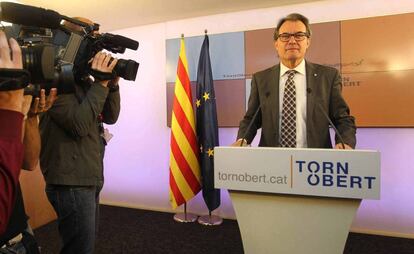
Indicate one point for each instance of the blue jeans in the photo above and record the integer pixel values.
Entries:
(76, 209)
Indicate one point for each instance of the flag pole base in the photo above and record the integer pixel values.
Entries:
(185, 217)
(210, 220)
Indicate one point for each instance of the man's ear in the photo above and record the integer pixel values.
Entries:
(309, 42)
(275, 44)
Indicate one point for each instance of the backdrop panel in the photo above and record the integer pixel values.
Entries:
(374, 56)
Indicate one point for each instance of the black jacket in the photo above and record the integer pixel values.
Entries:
(71, 151)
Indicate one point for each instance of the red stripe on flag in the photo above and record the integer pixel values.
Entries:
(185, 126)
(185, 80)
(179, 199)
(184, 166)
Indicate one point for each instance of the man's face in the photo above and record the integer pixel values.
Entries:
(292, 51)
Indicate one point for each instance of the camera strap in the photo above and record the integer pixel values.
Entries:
(13, 79)
(101, 76)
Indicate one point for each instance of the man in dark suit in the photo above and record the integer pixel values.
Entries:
(294, 95)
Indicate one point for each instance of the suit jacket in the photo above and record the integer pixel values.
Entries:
(324, 87)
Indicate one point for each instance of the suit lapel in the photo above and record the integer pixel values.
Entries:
(274, 92)
(312, 80)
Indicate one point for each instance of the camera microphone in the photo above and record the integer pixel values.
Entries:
(120, 41)
(309, 91)
(29, 15)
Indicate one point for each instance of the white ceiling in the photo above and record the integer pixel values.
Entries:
(112, 15)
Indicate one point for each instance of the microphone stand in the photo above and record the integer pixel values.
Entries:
(333, 126)
(309, 91)
(250, 126)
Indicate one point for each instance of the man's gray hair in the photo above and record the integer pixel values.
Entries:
(292, 17)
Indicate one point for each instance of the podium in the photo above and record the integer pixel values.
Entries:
(296, 200)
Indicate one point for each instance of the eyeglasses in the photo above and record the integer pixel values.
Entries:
(299, 36)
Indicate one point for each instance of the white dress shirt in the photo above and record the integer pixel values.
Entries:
(300, 84)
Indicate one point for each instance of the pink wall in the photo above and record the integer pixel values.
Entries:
(394, 211)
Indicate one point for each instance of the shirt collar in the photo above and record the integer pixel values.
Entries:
(301, 68)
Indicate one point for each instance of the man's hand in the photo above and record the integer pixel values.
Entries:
(31, 137)
(27, 101)
(39, 104)
(340, 146)
(100, 62)
(13, 61)
(42, 104)
(240, 142)
(10, 100)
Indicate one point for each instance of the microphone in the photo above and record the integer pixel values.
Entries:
(29, 15)
(309, 91)
(120, 40)
(252, 121)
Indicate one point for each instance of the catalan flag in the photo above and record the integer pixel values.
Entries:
(185, 180)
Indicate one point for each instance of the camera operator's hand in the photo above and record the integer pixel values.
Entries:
(10, 100)
(13, 61)
(102, 62)
(27, 101)
(42, 104)
(31, 136)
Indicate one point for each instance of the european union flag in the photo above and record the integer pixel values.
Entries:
(207, 128)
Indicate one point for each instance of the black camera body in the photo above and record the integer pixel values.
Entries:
(57, 56)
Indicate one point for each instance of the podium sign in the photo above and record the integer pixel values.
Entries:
(316, 172)
(325, 188)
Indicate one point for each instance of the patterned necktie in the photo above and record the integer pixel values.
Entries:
(288, 126)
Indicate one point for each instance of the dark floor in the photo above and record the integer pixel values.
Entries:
(124, 230)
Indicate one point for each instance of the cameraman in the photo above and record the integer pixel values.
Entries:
(71, 157)
(11, 124)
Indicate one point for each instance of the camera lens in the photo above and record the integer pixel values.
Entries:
(39, 61)
(126, 69)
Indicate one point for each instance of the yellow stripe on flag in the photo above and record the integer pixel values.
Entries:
(179, 178)
(183, 56)
(185, 103)
(185, 148)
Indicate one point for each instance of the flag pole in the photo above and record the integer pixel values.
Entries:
(185, 217)
(210, 220)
